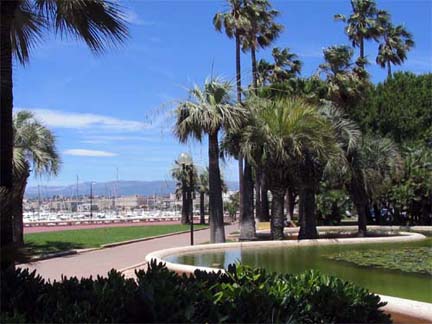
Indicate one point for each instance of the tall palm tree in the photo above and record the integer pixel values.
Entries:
(22, 23)
(286, 66)
(182, 175)
(396, 42)
(34, 150)
(207, 111)
(346, 80)
(363, 24)
(235, 23)
(262, 31)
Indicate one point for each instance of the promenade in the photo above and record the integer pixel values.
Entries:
(99, 262)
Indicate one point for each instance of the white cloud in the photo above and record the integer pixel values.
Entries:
(132, 17)
(92, 153)
(62, 119)
(102, 139)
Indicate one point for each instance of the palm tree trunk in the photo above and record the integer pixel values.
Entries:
(7, 10)
(265, 213)
(239, 100)
(254, 69)
(247, 219)
(202, 216)
(307, 215)
(360, 200)
(362, 51)
(307, 204)
(185, 207)
(277, 213)
(217, 230)
(389, 72)
(17, 205)
(258, 201)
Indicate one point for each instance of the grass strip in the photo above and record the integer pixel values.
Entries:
(52, 242)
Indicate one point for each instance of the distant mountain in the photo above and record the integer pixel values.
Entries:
(120, 188)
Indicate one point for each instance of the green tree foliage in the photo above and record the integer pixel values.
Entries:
(399, 108)
(412, 193)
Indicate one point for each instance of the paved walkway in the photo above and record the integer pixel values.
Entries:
(99, 262)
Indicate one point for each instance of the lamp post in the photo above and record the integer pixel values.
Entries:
(188, 187)
(91, 200)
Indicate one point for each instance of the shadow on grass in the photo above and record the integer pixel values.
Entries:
(31, 249)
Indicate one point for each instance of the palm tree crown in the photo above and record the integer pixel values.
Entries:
(99, 23)
(34, 146)
(208, 110)
(396, 43)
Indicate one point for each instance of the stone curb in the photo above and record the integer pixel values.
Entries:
(105, 246)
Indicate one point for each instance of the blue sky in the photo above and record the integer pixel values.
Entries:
(112, 111)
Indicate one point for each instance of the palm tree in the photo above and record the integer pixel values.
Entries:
(261, 31)
(235, 23)
(35, 149)
(286, 66)
(396, 42)
(290, 133)
(346, 81)
(98, 22)
(207, 111)
(371, 162)
(363, 24)
(182, 175)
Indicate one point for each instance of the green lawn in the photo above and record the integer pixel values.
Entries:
(50, 242)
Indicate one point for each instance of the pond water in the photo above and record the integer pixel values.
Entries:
(298, 259)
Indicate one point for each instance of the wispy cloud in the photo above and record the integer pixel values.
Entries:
(92, 153)
(62, 119)
(132, 17)
(102, 139)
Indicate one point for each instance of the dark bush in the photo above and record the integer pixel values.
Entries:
(241, 295)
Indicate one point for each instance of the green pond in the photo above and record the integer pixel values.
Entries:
(297, 259)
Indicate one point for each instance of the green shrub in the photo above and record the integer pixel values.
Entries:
(241, 295)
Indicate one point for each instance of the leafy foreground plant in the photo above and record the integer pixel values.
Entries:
(243, 294)
(414, 260)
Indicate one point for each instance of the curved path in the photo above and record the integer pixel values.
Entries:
(99, 262)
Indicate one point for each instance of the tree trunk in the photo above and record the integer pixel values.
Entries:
(239, 100)
(389, 72)
(264, 200)
(277, 213)
(185, 206)
(307, 205)
(7, 10)
(247, 219)
(307, 215)
(254, 70)
(17, 205)
(217, 230)
(362, 51)
(258, 201)
(202, 212)
(360, 200)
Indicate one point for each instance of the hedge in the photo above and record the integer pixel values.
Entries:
(242, 295)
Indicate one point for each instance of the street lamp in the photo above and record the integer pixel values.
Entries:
(91, 200)
(188, 187)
